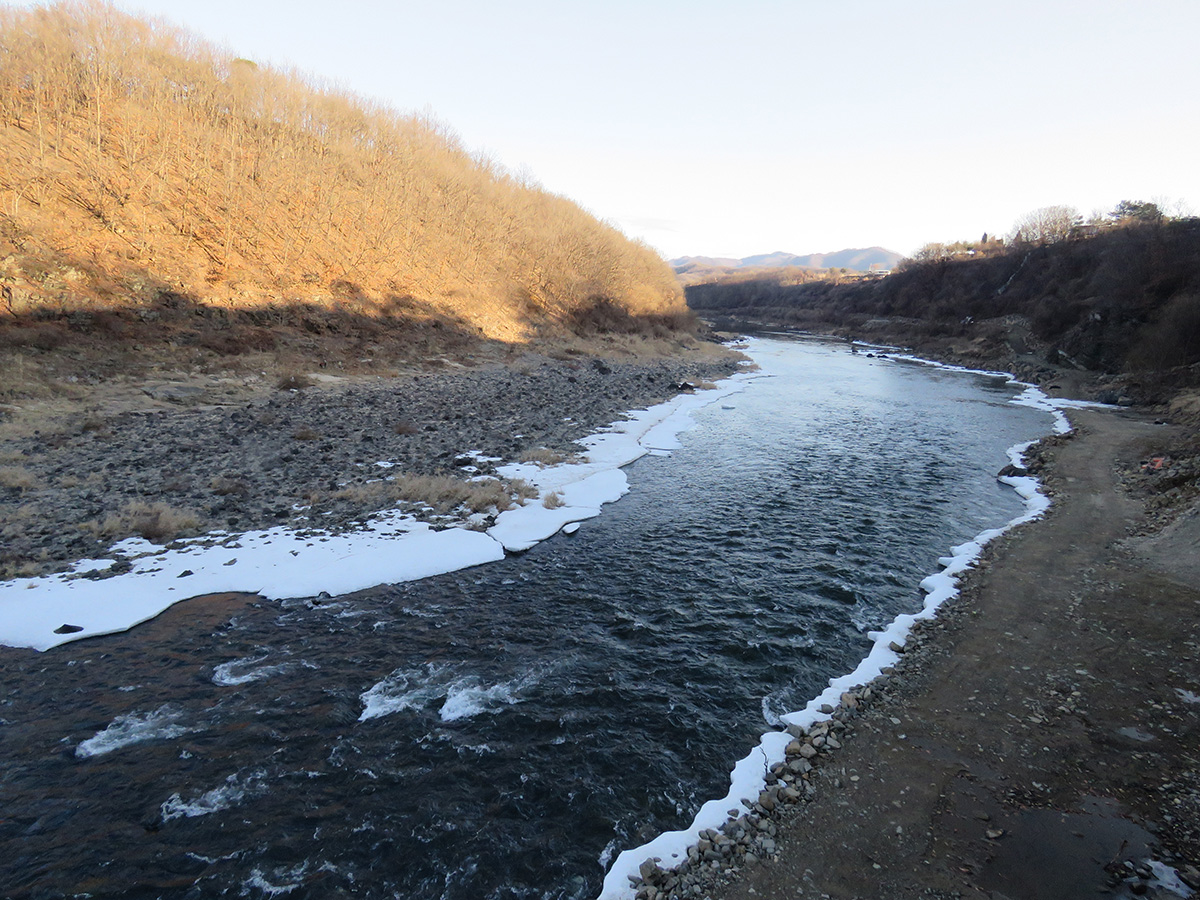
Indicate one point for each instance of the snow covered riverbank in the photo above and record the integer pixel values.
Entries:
(282, 562)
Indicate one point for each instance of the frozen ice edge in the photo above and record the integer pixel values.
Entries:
(281, 563)
(748, 778)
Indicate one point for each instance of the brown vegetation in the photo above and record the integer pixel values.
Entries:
(1124, 298)
(443, 493)
(157, 522)
(154, 187)
(782, 274)
(17, 478)
(543, 456)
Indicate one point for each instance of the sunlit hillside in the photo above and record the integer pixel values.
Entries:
(138, 162)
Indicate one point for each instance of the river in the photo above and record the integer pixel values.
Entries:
(504, 731)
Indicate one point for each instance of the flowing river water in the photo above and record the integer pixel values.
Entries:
(506, 730)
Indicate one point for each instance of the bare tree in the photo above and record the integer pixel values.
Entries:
(131, 143)
(1047, 225)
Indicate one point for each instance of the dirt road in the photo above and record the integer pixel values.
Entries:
(1048, 726)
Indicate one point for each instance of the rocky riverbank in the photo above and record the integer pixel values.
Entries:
(171, 458)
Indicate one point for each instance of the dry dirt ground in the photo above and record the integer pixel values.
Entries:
(1044, 738)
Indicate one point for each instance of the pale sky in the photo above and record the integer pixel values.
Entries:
(725, 129)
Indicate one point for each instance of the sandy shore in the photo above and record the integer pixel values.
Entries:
(1040, 740)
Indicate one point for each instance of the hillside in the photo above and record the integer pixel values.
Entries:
(153, 187)
(1123, 300)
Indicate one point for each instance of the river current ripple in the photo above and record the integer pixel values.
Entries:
(505, 731)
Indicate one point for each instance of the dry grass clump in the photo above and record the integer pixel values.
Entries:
(444, 493)
(18, 478)
(553, 500)
(94, 423)
(374, 493)
(156, 522)
(544, 456)
(224, 486)
(522, 490)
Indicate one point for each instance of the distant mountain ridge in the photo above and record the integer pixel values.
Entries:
(860, 260)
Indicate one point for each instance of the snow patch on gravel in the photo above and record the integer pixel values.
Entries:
(281, 563)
